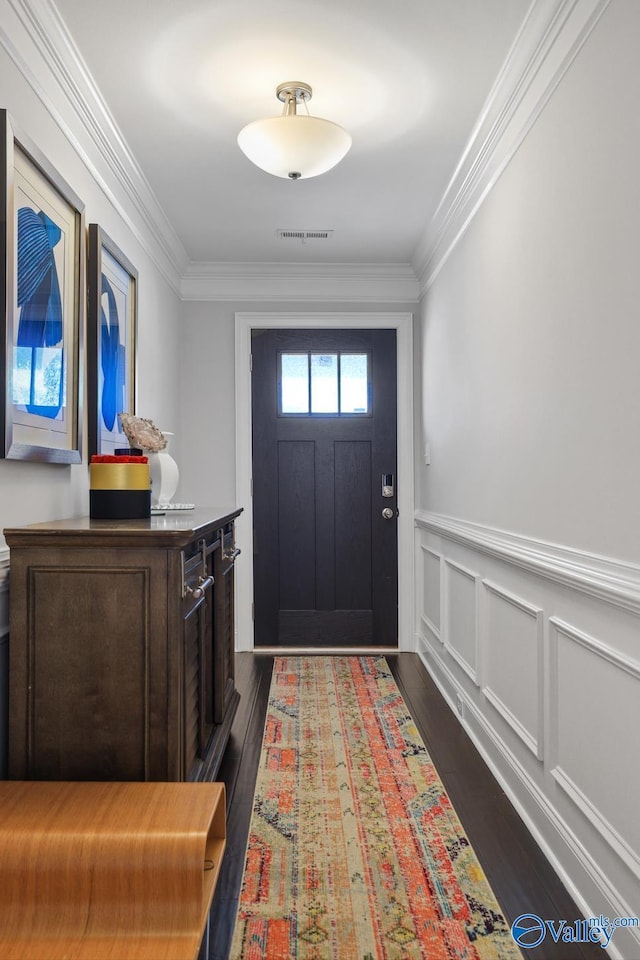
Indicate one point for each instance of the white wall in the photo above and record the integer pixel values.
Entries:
(208, 438)
(35, 492)
(532, 336)
(528, 521)
(207, 426)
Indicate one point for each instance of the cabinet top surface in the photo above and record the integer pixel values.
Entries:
(172, 528)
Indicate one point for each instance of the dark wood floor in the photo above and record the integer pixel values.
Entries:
(519, 873)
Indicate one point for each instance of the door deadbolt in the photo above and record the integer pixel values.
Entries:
(387, 485)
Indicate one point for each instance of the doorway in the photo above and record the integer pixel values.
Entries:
(245, 323)
(324, 418)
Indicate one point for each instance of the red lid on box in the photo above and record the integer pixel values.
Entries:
(111, 458)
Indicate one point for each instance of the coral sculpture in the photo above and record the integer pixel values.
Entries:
(142, 433)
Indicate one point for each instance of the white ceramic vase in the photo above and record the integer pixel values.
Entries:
(164, 474)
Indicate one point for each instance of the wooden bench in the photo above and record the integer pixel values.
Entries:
(108, 871)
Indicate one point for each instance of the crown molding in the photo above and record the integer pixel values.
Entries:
(547, 43)
(37, 40)
(347, 282)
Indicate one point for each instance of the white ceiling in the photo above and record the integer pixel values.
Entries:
(407, 79)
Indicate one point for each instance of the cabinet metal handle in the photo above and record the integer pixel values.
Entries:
(204, 581)
(197, 592)
(234, 551)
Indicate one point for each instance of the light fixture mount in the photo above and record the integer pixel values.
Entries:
(294, 92)
(294, 146)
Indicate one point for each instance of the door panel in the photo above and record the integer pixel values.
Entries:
(352, 485)
(325, 561)
(297, 513)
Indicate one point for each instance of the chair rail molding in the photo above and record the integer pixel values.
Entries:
(549, 40)
(614, 581)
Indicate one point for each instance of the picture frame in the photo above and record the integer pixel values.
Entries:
(111, 342)
(42, 285)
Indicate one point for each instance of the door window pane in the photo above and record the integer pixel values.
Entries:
(295, 383)
(354, 383)
(324, 383)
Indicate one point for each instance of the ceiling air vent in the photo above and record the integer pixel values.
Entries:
(304, 234)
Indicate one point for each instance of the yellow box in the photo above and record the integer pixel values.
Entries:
(119, 476)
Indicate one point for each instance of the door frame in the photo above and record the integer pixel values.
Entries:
(402, 323)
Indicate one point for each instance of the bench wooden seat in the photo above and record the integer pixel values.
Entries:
(107, 871)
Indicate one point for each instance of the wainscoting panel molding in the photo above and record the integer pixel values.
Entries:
(513, 652)
(592, 749)
(537, 655)
(461, 624)
(432, 591)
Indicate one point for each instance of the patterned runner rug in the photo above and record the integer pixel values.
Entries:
(355, 852)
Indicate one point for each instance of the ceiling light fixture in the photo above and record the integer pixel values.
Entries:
(294, 145)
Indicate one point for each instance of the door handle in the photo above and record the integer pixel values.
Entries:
(388, 513)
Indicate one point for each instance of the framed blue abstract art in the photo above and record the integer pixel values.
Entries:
(111, 341)
(43, 293)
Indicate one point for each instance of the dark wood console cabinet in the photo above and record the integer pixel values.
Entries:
(121, 647)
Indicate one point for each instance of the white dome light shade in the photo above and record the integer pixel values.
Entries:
(294, 146)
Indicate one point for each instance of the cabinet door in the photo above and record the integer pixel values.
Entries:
(198, 692)
(89, 684)
(224, 624)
